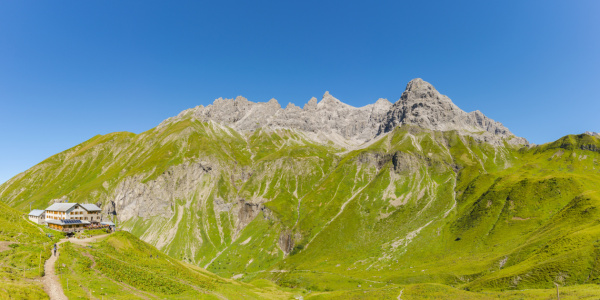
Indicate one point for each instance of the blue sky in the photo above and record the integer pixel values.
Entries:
(72, 69)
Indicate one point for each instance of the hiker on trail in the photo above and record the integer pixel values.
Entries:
(54, 249)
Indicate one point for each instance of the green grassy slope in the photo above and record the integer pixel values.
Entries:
(441, 292)
(416, 206)
(122, 267)
(527, 224)
(92, 169)
(24, 247)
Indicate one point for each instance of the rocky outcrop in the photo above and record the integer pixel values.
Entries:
(404, 163)
(136, 197)
(422, 105)
(247, 211)
(592, 133)
(376, 159)
(332, 120)
(329, 119)
(110, 208)
(286, 241)
(221, 206)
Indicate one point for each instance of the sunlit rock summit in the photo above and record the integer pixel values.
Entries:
(332, 120)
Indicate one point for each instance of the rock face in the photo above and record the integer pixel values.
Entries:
(592, 133)
(135, 198)
(286, 242)
(422, 105)
(329, 119)
(332, 120)
(247, 212)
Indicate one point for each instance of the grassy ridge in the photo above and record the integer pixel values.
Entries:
(416, 206)
(438, 291)
(24, 247)
(525, 225)
(97, 271)
(123, 267)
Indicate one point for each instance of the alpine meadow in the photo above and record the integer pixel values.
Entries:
(415, 199)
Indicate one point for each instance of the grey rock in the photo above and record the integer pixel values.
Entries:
(332, 120)
(286, 241)
(246, 213)
(329, 119)
(592, 133)
(422, 105)
(135, 198)
(404, 163)
(221, 206)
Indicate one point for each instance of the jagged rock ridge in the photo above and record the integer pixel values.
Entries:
(592, 133)
(332, 120)
(422, 105)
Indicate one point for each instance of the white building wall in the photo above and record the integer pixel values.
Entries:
(38, 220)
(80, 213)
(76, 213)
(55, 215)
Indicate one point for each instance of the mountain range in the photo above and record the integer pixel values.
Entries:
(332, 120)
(331, 196)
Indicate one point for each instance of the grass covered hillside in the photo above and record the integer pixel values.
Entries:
(121, 266)
(188, 177)
(511, 220)
(412, 208)
(24, 247)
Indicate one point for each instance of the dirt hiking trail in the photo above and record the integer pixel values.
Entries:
(51, 281)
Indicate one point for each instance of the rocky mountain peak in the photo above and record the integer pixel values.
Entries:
(240, 99)
(418, 84)
(274, 103)
(418, 90)
(422, 105)
(330, 102)
(292, 107)
(382, 105)
(383, 102)
(332, 120)
(592, 133)
(311, 104)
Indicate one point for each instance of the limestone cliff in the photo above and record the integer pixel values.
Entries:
(332, 120)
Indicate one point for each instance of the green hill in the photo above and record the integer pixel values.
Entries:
(24, 247)
(414, 207)
(121, 266)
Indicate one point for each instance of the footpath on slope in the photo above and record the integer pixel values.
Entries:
(51, 281)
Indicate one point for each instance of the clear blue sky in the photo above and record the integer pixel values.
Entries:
(72, 69)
